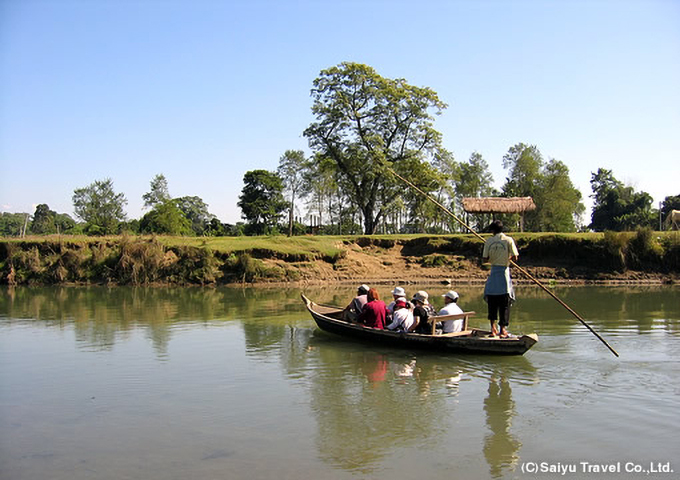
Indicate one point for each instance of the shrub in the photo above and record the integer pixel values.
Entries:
(615, 250)
(671, 255)
(194, 265)
(435, 260)
(644, 252)
(140, 262)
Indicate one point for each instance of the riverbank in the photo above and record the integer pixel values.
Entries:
(642, 257)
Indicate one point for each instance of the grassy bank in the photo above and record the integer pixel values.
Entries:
(131, 260)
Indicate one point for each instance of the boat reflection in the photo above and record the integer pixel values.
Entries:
(371, 406)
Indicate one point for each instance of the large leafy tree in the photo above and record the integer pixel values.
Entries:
(365, 122)
(165, 218)
(292, 166)
(100, 207)
(322, 187)
(13, 224)
(422, 213)
(672, 202)
(43, 220)
(474, 179)
(524, 163)
(558, 202)
(46, 221)
(616, 206)
(159, 192)
(261, 200)
(196, 211)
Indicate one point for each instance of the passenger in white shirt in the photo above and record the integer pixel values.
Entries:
(402, 317)
(451, 308)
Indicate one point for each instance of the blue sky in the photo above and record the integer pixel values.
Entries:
(203, 91)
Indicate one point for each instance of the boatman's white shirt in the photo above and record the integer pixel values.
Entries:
(499, 249)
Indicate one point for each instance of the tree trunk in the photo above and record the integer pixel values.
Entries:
(290, 215)
(369, 221)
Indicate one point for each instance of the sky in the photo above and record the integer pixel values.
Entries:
(203, 91)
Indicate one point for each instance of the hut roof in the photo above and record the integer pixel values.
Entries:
(498, 204)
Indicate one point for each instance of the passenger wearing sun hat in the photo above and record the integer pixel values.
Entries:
(422, 311)
(451, 308)
(399, 294)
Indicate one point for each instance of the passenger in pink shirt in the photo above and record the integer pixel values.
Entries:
(374, 312)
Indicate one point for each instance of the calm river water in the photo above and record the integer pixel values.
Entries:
(189, 383)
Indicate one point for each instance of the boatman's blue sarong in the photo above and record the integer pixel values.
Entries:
(499, 282)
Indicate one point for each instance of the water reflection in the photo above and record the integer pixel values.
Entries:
(365, 407)
(371, 405)
(501, 447)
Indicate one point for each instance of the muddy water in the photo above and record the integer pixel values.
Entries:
(127, 383)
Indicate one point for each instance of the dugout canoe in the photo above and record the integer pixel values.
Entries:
(469, 341)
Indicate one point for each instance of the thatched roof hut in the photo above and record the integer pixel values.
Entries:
(500, 205)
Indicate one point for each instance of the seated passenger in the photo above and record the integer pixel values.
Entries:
(355, 307)
(374, 312)
(402, 317)
(451, 308)
(399, 294)
(422, 312)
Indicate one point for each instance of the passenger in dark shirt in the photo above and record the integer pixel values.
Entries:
(422, 313)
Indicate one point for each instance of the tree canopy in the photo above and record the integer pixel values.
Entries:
(46, 221)
(365, 122)
(558, 201)
(671, 202)
(100, 207)
(261, 200)
(292, 165)
(165, 218)
(159, 192)
(196, 211)
(616, 206)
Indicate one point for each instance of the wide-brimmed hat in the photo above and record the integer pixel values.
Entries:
(363, 288)
(421, 296)
(399, 292)
(452, 295)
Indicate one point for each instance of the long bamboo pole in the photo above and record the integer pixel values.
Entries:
(514, 264)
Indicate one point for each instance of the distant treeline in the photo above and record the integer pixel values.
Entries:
(369, 133)
(127, 260)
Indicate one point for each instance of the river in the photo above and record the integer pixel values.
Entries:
(192, 383)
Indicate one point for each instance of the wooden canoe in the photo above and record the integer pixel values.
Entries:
(471, 340)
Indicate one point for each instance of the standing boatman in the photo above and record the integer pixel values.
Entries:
(499, 250)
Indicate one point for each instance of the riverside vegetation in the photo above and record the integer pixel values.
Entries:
(642, 256)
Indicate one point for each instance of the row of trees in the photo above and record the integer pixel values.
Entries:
(101, 211)
(299, 186)
(365, 128)
(263, 202)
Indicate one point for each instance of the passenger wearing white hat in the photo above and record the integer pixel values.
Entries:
(399, 294)
(451, 308)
